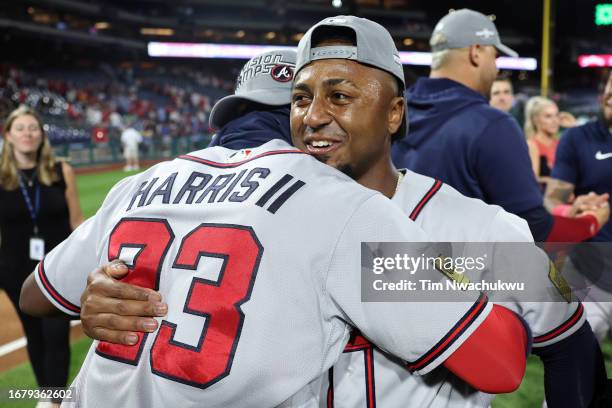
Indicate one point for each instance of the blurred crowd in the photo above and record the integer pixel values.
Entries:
(85, 106)
(168, 105)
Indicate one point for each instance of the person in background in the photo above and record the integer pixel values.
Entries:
(455, 136)
(39, 208)
(114, 133)
(131, 138)
(584, 166)
(541, 130)
(502, 94)
(567, 120)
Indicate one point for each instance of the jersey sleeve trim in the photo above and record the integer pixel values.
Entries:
(422, 364)
(359, 343)
(330, 388)
(573, 323)
(53, 295)
(426, 198)
(239, 163)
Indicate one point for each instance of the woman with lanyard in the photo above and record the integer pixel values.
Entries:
(39, 208)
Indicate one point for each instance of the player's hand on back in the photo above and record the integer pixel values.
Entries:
(112, 310)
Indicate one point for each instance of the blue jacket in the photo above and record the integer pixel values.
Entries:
(455, 136)
(584, 158)
(254, 129)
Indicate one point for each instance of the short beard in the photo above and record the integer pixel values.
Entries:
(348, 170)
(345, 168)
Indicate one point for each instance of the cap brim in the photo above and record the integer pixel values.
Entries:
(506, 50)
(226, 109)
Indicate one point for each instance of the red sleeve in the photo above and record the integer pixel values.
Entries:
(573, 229)
(493, 358)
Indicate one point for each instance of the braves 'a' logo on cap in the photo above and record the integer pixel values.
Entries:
(282, 73)
(263, 65)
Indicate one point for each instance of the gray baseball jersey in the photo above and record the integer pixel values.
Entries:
(256, 253)
(366, 377)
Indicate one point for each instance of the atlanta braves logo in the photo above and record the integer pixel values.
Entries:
(282, 73)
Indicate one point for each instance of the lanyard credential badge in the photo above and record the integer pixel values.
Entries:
(37, 248)
(37, 244)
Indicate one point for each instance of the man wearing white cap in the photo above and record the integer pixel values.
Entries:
(455, 136)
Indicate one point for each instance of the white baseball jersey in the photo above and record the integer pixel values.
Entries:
(256, 253)
(366, 377)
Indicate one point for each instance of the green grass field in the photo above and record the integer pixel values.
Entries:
(94, 187)
(92, 190)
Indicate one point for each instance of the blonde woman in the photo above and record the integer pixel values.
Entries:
(541, 129)
(39, 208)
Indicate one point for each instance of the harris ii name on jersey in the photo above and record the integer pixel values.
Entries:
(231, 187)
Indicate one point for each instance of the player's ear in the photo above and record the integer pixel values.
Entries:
(396, 113)
(474, 54)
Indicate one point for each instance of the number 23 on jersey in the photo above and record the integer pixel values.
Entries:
(217, 301)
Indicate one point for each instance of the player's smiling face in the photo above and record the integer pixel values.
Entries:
(340, 113)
